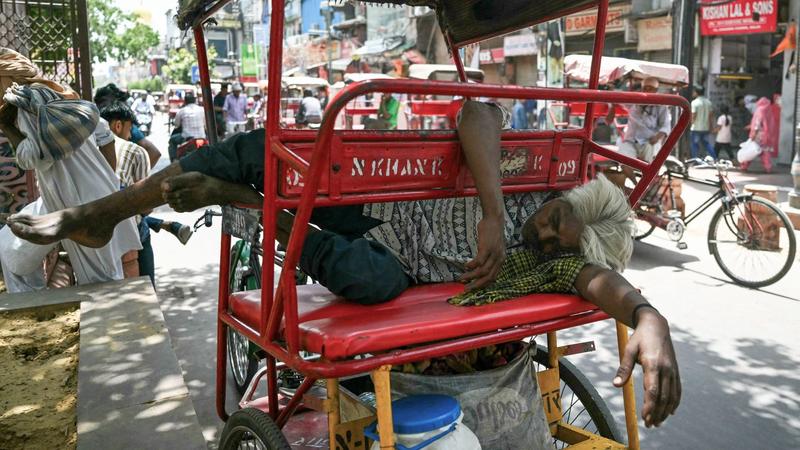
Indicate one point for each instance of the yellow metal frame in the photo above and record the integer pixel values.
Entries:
(346, 415)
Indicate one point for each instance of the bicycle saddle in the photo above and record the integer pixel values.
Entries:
(674, 165)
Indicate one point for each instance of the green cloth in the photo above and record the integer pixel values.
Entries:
(390, 107)
(524, 273)
(701, 108)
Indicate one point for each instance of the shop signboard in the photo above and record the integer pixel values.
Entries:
(519, 45)
(491, 56)
(654, 34)
(585, 22)
(739, 17)
(249, 60)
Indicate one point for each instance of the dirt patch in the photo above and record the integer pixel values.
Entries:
(39, 378)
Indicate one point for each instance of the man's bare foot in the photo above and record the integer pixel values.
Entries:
(64, 224)
(190, 191)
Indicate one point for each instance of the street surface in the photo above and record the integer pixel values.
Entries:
(737, 348)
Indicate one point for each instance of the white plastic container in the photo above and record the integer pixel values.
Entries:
(429, 422)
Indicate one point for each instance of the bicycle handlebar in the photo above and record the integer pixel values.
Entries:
(207, 219)
(709, 163)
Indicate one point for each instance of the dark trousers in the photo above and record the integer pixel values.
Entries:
(338, 257)
(725, 147)
(147, 264)
(346, 263)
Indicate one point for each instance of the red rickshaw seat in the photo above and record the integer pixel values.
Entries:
(336, 328)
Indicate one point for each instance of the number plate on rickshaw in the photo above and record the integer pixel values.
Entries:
(240, 222)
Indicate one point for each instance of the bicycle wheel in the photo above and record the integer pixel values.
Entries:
(641, 227)
(753, 241)
(582, 405)
(243, 362)
(251, 428)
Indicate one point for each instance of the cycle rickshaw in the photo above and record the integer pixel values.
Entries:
(308, 168)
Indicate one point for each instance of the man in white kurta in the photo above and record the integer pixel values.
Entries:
(64, 181)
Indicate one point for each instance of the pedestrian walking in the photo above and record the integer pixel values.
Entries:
(219, 104)
(235, 109)
(702, 120)
(741, 117)
(722, 143)
(764, 130)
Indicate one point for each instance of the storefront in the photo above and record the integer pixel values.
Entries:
(620, 32)
(736, 41)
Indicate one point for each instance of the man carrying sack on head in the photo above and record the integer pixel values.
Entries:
(56, 135)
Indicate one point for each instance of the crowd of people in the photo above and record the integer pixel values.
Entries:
(715, 131)
(79, 151)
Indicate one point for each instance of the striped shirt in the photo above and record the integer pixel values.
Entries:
(133, 163)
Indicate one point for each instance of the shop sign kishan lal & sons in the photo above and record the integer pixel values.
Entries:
(739, 17)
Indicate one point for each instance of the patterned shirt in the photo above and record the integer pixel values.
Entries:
(192, 120)
(433, 239)
(133, 163)
(644, 121)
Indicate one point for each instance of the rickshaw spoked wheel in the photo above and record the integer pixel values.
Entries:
(251, 428)
(243, 362)
(582, 405)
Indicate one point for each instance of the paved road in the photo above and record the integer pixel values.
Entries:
(738, 348)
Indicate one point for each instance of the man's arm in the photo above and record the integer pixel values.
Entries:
(152, 151)
(663, 124)
(650, 343)
(479, 134)
(611, 113)
(110, 154)
(178, 118)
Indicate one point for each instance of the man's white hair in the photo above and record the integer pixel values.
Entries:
(607, 236)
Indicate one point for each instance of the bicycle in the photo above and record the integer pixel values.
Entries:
(745, 230)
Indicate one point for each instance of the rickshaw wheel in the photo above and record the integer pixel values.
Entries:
(582, 405)
(251, 428)
(243, 363)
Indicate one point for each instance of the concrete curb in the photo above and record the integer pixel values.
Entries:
(131, 392)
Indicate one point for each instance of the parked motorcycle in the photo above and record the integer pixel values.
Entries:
(144, 117)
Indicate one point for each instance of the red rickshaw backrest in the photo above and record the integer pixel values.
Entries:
(415, 163)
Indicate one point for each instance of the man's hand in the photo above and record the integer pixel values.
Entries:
(656, 138)
(485, 267)
(651, 346)
(8, 115)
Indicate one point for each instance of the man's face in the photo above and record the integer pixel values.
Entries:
(236, 93)
(649, 88)
(553, 228)
(121, 128)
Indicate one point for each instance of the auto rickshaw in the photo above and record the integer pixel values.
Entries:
(424, 110)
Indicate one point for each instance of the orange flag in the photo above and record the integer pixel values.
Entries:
(789, 42)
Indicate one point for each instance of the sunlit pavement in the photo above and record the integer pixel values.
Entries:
(738, 349)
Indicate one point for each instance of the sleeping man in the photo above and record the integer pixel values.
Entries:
(577, 242)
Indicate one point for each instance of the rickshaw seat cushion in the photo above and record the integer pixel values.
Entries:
(336, 328)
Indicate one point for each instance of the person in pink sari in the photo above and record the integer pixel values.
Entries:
(765, 130)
